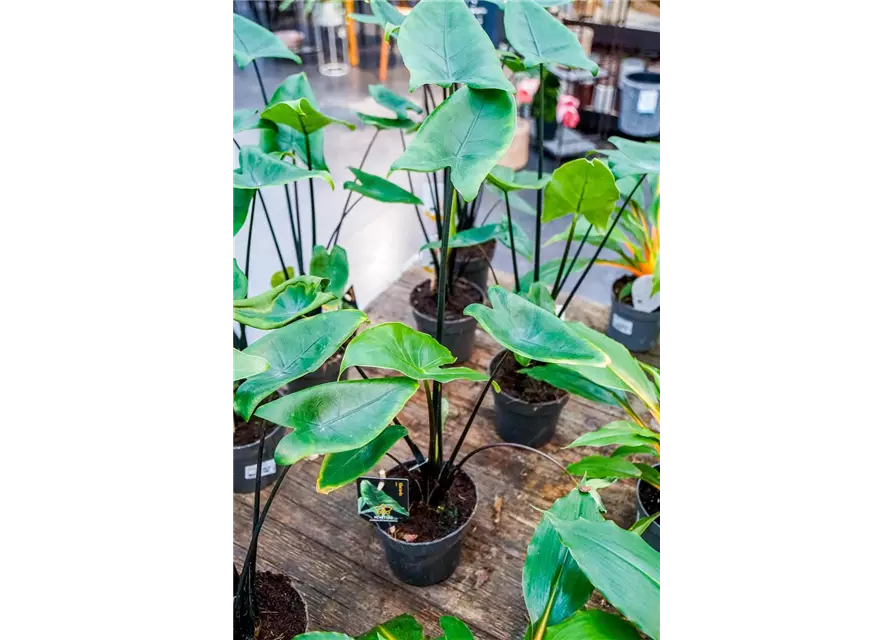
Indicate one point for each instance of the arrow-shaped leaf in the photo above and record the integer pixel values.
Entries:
(258, 169)
(301, 115)
(542, 39)
(390, 100)
(283, 304)
(388, 123)
(507, 180)
(245, 366)
(250, 41)
(380, 189)
(331, 266)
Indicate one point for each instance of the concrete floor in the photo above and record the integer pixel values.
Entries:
(381, 240)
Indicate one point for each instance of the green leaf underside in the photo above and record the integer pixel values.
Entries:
(250, 41)
(380, 189)
(300, 114)
(339, 469)
(572, 382)
(258, 169)
(386, 123)
(643, 155)
(468, 238)
(549, 271)
(523, 245)
(390, 100)
(295, 87)
(293, 352)
(371, 497)
(469, 132)
(621, 432)
(593, 624)
(386, 12)
(322, 635)
(527, 330)
(393, 345)
(245, 366)
(283, 304)
(247, 119)
(541, 39)
(442, 42)
(241, 204)
(402, 627)
(335, 417)
(581, 187)
(332, 266)
(604, 467)
(505, 179)
(240, 282)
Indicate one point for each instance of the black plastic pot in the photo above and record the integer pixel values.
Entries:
(245, 462)
(458, 335)
(425, 563)
(636, 330)
(475, 267)
(328, 372)
(651, 535)
(527, 423)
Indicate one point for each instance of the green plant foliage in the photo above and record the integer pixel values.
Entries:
(245, 366)
(655, 286)
(388, 123)
(523, 245)
(283, 304)
(507, 180)
(517, 202)
(468, 238)
(583, 187)
(595, 236)
(250, 41)
(643, 155)
(549, 271)
(538, 294)
(246, 119)
(279, 277)
(454, 629)
(620, 432)
(331, 266)
(240, 282)
(402, 627)
(572, 382)
(547, 93)
(605, 467)
(289, 139)
(258, 169)
(541, 39)
(339, 469)
(640, 525)
(390, 100)
(593, 624)
(241, 203)
(380, 189)
(371, 497)
(322, 635)
(300, 114)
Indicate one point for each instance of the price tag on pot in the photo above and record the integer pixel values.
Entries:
(647, 101)
(642, 298)
(383, 499)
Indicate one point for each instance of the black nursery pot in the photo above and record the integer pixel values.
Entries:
(474, 266)
(328, 372)
(528, 423)
(245, 462)
(636, 330)
(651, 535)
(458, 335)
(425, 563)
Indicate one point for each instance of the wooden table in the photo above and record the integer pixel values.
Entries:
(337, 562)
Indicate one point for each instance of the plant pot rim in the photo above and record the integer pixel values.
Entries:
(292, 582)
(628, 308)
(270, 434)
(560, 401)
(464, 319)
(453, 534)
(639, 500)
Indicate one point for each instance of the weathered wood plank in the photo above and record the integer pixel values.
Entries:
(336, 560)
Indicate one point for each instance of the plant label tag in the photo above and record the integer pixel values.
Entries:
(622, 325)
(267, 468)
(642, 298)
(383, 499)
(647, 101)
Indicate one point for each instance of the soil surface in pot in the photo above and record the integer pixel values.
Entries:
(650, 499)
(467, 254)
(523, 387)
(424, 299)
(628, 298)
(428, 523)
(249, 432)
(283, 613)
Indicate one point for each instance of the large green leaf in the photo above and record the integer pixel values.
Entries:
(508, 180)
(644, 155)
(542, 39)
(300, 114)
(454, 629)
(240, 282)
(641, 525)
(546, 557)
(403, 627)
(605, 467)
(527, 330)
(246, 119)
(283, 304)
(332, 266)
(621, 432)
(380, 189)
(387, 123)
(572, 382)
(322, 635)
(241, 203)
(584, 187)
(622, 566)
(294, 351)
(338, 416)
(469, 132)
(387, 12)
(245, 366)
(250, 41)
(549, 271)
(393, 345)
(339, 469)
(390, 100)
(258, 169)
(468, 238)
(442, 43)
(593, 624)
(295, 87)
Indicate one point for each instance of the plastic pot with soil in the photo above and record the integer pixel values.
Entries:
(647, 504)
(246, 438)
(527, 410)
(473, 263)
(458, 329)
(425, 549)
(636, 330)
(284, 609)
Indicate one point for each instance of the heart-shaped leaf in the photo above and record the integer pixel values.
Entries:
(388, 123)
(258, 169)
(527, 330)
(572, 382)
(442, 43)
(593, 624)
(583, 187)
(295, 87)
(403, 627)
(538, 294)
(507, 180)
(283, 304)
(245, 366)
(643, 155)
(331, 266)
(240, 282)
(622, 566)
(393, 345)
(621, 432)
(380, 189)
(468, 238)
(301, 115)
(337, 416)
(469, 132)
(250, 41)
(542, 39)
(241, 203)
(549, 271)
(246, 119)
(339, 469)
(390, 100)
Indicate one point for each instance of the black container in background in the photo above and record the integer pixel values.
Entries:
(651, 535)
(458, 335)
(530, 424)
(476, 269)
(636, 330)
(245, 461)
(425, 563)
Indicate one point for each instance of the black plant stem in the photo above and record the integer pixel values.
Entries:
(294, 234)
(406, 471)
(508, 213)
(516, 446)
(487, 215)
(436, 454)
(433, 424)
(600, 247)
(256, 514)
(310, 180)
(273, 233)
(570, 268)
(298, 222)
(248, 260)
(567, 248)
(539, 172)
(337, 232)
(263, 91)
(362, 162)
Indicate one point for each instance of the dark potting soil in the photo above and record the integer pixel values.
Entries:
(283, 613)
(248, 433)
(523, 387)
(424, 299)
(429, 523)
(650, 499)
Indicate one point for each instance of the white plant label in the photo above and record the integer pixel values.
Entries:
(642, 298)
(267, 468)
(622, 325)
(647, 101)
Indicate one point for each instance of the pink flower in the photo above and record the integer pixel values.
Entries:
(566, 111)
(526, 90)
